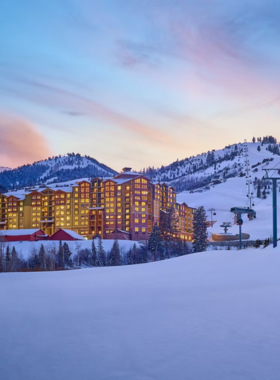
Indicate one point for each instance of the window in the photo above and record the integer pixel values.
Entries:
(136, 229)
(136, 220)
(143, 220)
(144, 229)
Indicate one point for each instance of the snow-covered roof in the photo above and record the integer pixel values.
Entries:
(17, 194)
(66, 189)
(19, 232)
(73, 234)
(119, 181)
(124, 232)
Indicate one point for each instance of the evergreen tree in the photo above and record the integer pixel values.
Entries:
(60, 256)
(93, 254)
(8, 259)
(259, 191)
(101, 256)
(67, 255)
(115, 254)
(185, 248)
(154, 241)
(42, 258)
(168, 224)
(130, 258)
(134, 254)
(179, 248)
(200, 230)
(14, 260)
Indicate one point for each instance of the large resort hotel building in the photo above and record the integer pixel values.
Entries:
(126, 206)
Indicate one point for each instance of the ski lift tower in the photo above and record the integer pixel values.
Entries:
(274, 180)
(248, 173)
(226, 226)
(238, 211)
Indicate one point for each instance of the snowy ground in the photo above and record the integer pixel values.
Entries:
(212, 315)
(25, 248)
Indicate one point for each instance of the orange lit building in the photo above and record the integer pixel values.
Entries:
(126, 206)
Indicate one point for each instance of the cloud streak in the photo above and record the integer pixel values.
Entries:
(20, 142)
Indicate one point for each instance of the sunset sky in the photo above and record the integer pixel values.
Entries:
(136, 83)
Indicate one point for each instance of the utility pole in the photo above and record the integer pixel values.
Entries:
(274, 203)
(211, 210)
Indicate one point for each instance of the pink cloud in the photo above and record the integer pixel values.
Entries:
(20, 142)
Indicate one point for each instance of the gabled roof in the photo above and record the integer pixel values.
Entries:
(23, 232)
(72, 233)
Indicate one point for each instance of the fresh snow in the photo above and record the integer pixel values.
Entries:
(213, 315)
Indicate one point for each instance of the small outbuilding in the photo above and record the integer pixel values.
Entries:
(23, 235)
(67, 235)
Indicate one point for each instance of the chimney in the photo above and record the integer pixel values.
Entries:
(125, 170)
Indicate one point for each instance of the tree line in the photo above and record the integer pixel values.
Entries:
(163, 243)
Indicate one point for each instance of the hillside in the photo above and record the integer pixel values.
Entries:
(54, 169)
(208, 168)
(232, 192)
(212, 315)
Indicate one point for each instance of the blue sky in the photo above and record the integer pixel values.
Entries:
(136, 83)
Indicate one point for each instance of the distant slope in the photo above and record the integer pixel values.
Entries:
(54, 169)
(3, 168)
(209, 168)
(232, 192)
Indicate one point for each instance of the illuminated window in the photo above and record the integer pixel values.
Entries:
(136, 229)
(143, 229)
(136, 220)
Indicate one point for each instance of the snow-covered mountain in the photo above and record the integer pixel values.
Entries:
(229, 190)
(3, 168)
(212, 167)
(55, 169)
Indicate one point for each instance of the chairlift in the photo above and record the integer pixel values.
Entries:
(214, 213)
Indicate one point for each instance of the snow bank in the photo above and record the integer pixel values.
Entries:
(211, 316)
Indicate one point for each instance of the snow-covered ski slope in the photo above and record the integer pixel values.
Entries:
(233, 192)
(212, 315)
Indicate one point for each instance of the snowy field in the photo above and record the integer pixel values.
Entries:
(207, 316)
(25, 248)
